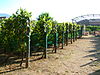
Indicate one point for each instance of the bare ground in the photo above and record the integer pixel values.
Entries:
(80, 58)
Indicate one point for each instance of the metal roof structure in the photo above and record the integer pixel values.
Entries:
(90, 19)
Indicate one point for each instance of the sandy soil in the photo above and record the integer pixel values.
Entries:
(80, 58)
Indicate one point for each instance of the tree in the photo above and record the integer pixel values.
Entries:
(14, 32)
(42, 29)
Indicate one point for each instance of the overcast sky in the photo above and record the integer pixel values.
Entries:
(60, 10)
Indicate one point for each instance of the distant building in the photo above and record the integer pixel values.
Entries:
(3, 15)
(94, 22)
(89, 19)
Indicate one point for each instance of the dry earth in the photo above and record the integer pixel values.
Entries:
(80, 58)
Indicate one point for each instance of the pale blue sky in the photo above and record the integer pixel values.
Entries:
(61, 10)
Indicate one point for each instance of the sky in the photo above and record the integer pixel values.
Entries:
(60, 10)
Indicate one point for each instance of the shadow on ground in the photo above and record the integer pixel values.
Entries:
(12, 63)
(95, 73)
(96, 54)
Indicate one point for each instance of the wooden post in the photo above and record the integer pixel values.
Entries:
(27, 59)
(81, 30)
(28, 45)
(45, 51)
(55, 44)
(73, 33)
(62, 36)
(67, 28)
(62, 39)
(71, 37)
(76, 35)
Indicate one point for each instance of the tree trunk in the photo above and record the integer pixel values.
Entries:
(66, 38)
(62, 40)
(71, 37)
(22, 55)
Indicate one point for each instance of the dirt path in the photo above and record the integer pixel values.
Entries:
(80, 58)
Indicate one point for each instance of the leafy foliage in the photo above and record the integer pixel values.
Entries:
(93, 28)
(43, 27)
(14, 31)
